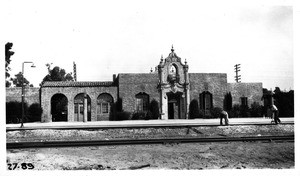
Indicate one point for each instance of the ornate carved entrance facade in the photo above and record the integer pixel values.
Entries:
(173, 87)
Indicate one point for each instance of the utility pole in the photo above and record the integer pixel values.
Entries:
(237, 68)
(74, 69)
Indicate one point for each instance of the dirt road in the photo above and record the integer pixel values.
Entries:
(240, 155)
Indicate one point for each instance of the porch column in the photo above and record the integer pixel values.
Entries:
(186, 89)
(71, 115)
(161, 103)
(162, 95)
(164, 106)
(85, 108)
(187, 103)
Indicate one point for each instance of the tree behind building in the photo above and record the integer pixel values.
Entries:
(57, 74)
(18, 80)
(8, 54)
(194, 110)
(284, 102)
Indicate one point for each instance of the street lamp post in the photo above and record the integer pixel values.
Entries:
(23, 92)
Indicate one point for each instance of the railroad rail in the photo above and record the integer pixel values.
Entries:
(85, 143)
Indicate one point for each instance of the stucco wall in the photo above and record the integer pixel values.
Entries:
(215, 83)
(70, 93)
(31, 94)
(254, 92)
(132, 84)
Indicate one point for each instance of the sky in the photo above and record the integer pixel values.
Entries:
(110, 37)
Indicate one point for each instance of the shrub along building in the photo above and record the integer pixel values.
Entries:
(171, 85)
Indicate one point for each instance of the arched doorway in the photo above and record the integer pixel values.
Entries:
(104, 103)
(59, 108)
(175, 105)
(79, 107)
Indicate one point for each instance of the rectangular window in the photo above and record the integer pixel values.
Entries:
(201, 101)
(139, 104)
(76, 109)
(142, 102)
(207, 101)
(145, 105)
(81, 109)
(244, 101)
(105, 108)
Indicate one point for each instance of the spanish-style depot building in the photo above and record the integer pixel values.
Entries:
(171, 85)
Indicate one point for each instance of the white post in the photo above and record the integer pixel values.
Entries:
(85, 108)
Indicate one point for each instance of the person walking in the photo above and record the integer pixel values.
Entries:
(275, 113)
(270, 113)
(224, 115)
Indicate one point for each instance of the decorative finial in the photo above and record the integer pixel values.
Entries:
(161, 59)
(151, 70)
(185, 62)
(172, 49)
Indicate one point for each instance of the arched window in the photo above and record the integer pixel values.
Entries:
(104, 102)
(142, 102)
(79, 107)
(173, 70)
(173, 75)
(206, 100)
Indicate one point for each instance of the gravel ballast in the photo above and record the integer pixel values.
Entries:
(227, 155)
(144, 133)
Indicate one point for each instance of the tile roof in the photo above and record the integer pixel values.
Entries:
(78, 84)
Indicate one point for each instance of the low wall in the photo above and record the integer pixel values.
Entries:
(32, 94)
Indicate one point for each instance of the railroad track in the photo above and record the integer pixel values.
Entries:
(85, 143)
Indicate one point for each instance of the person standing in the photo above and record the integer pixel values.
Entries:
(224, 115)
(275, 113)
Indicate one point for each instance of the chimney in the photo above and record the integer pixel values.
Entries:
(114, 77)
